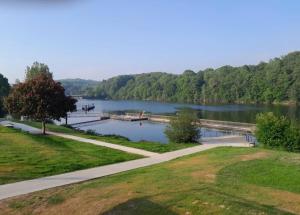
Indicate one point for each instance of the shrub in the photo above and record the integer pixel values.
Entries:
(277, 132)
(182, 128)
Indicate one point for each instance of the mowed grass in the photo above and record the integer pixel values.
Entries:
(148, 146)
(218, 181)
(24, 156)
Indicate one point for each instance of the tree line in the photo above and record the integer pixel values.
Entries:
(276, 81)
(4, 90)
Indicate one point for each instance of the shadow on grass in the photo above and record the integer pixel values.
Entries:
(139, 206)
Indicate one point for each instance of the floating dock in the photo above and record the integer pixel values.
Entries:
(128, 118)
(214, 124)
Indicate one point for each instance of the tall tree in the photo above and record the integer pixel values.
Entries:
(37, 69)
(40, 98)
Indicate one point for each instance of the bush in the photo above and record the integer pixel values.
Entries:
(182, 128)
(91, 132)
(277, 132)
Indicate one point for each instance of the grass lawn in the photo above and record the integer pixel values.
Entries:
(24, 156)
(149, 146)
(217, 181)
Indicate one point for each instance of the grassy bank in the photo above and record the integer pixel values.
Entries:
(218, 181)
(24, 156)
(149, 146)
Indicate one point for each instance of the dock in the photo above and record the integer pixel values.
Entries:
(128, 118)
(90, 121)
(207, 123)
(214, 124)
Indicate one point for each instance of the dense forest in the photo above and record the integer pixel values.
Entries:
(277, 81)
(4, 90)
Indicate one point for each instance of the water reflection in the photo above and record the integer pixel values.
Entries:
(237, 113)
(139, 131)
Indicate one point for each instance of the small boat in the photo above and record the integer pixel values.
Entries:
(88, 108)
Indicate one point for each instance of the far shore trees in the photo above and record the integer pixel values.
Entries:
(277, 81)
(183, 128)
(39, 98)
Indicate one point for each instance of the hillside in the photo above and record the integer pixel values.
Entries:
(277, 81)
(78, 86)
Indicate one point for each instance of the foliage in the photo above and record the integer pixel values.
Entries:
(182, 128)
(277, 132)
(37, 69)
(4, 90)
(39, 98)
(277, 81)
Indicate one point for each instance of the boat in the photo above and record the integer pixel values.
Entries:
(88, 108)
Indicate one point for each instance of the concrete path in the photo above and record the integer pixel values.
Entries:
(25, 187)
(21, 126)
(109, 145)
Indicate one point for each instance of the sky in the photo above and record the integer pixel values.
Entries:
(98, 39)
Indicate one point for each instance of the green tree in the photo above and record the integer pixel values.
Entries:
(4, 90)
(183, 128)
(39, 98)
(37, 69)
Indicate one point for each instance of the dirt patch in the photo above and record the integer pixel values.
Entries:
(287, 200)
(255, 156)
(91, 201)
(280, 199)
(205, 175)
(194, 161)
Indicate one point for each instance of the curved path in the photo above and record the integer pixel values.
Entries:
(25, 187)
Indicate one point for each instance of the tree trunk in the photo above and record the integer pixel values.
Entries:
(44, 127)
(67, 119)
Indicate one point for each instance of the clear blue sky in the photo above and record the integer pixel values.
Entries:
(96, 39)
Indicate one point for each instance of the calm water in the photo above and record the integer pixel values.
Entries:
(145, 130)
(238, 113)
(150, 131)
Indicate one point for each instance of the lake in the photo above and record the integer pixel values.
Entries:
(230, 112)
(150, 131)
(143, 130)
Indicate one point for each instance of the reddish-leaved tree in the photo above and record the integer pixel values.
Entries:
(40, 98)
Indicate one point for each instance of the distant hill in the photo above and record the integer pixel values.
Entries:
(78, 86)
(276, 81)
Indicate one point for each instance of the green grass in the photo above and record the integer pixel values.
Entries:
(24, 156)
(149, 146)
(218, 181)
(276, 173)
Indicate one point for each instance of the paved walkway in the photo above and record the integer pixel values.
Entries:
(25, 187)
(109, 145)
(22, 127)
